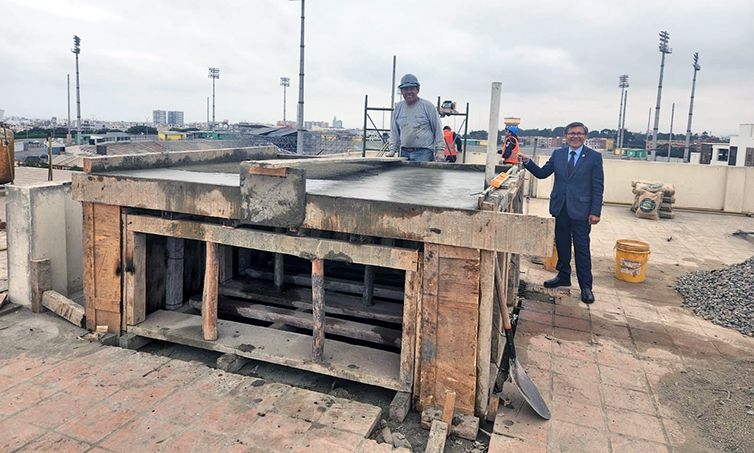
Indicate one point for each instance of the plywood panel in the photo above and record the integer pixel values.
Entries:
(450, 319)
(102, 265)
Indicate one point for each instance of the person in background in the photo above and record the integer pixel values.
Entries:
(510, 149)
(450, 151)
(576, 204)
(415, 131)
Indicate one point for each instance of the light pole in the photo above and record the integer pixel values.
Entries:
(697, 67)
(285, 82)
(77, 50)
(622, 84)
(664, 49)
(214, 74)
(300, 119)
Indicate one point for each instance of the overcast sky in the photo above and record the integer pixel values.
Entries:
(557, 61)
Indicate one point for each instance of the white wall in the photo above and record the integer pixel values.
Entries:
(43, 222)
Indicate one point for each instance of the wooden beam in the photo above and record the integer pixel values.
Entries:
(174, 277)
(399, 407)
(64, 307)
(41, 281)
(303, 247)
(342, 304)
(484, 230)
(134, 279)
(484, 330)
(331, 284)
(318, 310)
(353, 362)
(209, 293)
(299, 318)
(448, 407)
(437, 437)
(410, 310)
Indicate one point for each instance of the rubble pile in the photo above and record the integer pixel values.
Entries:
(724, 296)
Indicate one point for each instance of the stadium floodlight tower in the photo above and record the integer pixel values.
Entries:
(214, 74)
(77, 50)
(285, 82)
(697, 67)
(622, 84)
(664, 49)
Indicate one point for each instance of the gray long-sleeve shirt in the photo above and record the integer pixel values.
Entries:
(416, 126)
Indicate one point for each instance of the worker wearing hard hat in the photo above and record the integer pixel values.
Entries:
(415, 131)
(510, 149)
(450, 152)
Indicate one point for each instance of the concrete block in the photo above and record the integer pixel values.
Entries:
(43, 223)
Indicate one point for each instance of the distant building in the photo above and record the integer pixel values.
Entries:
(159, 117)
(2, 114)
(315, 125)
(336, 123)
(739, 152)
(175, 118)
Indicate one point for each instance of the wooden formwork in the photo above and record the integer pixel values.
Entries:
(399, 295)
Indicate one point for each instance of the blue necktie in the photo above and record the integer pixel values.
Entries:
(571, 161)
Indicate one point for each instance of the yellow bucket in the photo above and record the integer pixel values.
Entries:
(631, 260)
(551, 261)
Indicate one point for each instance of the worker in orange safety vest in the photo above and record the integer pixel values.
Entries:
(510, 149)
(450, 150)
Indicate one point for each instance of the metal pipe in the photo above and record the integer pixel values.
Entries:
(318, 310)
(623, 126)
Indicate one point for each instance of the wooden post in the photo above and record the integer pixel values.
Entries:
(209, 294)
(41, 281)
(447, 408)
(368, 285)
(279, 270)
(174, 278)
(318, 309)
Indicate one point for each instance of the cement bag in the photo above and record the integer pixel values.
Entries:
(649, 205)
(668, 190)
(635, 206)
(648, 187)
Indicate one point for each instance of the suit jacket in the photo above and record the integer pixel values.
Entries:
(582, 191)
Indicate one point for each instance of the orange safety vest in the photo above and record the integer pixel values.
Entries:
(450, 145)
(513, 158)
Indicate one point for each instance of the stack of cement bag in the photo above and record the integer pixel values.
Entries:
(653, 200)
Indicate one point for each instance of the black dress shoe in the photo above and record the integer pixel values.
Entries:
(555, 282)
(587, 296)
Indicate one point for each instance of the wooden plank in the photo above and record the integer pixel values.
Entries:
(134, 279)
(332, 284)
(41, 281)
(303, 247)
(342, 360)
(209, 293)
(399, 407)
(428, 319)
(437, 437)
(302, 319)
(484, 330)
(408, 341)
(450, 313)
(64, 307)
(318, 310)
(102, 266)
(173, 158)
(302, 298)
(484, 230)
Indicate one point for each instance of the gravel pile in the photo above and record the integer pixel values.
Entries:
(724, 296)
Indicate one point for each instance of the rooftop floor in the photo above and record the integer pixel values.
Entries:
(635, 371)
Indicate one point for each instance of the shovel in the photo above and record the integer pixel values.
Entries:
(517, 373)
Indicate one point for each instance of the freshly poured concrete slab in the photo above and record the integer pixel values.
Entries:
(423, 186)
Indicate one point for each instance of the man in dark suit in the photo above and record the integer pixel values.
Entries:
(576, 204)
